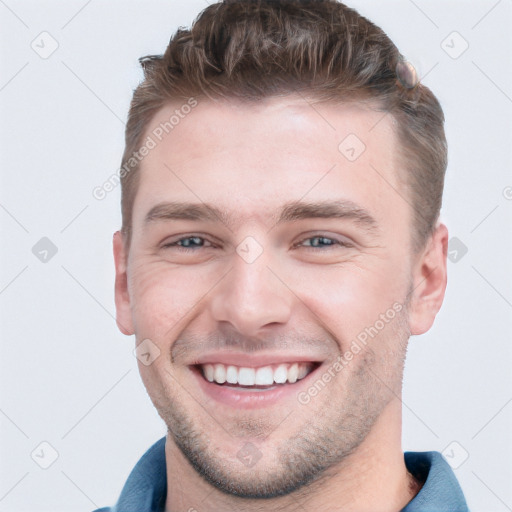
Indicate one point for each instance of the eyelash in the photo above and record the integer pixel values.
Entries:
(188, 250)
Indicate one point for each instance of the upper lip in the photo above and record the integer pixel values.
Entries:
(254, 361)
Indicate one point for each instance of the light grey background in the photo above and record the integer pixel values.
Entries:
(69, 378)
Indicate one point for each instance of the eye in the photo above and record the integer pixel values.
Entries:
(194, 243)
(186, 244)
(320, 242)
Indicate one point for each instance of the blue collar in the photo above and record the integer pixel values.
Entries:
(441, 492)
(146, 487)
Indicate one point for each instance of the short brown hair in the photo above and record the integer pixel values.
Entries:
(252, 49)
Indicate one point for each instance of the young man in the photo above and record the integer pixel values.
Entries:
(282, 182)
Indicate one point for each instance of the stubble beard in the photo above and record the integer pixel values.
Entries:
(319, 444)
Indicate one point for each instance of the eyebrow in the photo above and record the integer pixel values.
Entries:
(292, 211)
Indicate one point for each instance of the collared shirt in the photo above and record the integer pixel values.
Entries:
(146, 487)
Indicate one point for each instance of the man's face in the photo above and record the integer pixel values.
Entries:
(257, 296)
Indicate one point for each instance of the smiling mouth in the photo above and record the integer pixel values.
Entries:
(263, 377)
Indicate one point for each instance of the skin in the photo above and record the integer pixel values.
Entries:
(342, 450)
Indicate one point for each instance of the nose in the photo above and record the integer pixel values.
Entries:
(252, 296)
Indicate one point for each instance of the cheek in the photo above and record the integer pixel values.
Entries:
(349, 299)
(164, 297)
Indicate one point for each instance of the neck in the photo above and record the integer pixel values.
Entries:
(373, 478)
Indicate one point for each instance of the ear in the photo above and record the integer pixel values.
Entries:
(122, 297)
(429, 282)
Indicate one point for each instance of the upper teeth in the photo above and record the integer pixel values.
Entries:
(263, 376)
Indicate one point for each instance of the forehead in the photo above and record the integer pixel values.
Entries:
(256, 156)
(282, 122)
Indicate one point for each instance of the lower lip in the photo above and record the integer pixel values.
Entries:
(245, 398)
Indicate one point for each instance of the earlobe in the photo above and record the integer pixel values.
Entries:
(122, 297)
(429, 282)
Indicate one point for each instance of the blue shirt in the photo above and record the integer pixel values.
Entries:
(146, 487)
